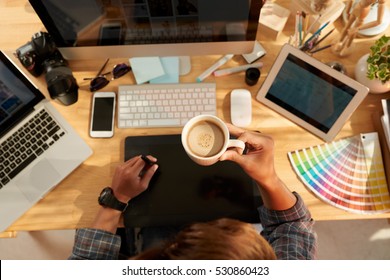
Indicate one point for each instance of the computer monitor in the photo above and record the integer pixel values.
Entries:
(93, 29)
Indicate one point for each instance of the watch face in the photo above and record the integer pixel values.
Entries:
(108, 199)
(104, 196)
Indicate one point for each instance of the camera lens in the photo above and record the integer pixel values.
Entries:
(62, 85)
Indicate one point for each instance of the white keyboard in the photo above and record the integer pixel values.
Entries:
(164, 105)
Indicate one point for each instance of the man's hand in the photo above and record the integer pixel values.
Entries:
(127, 182)
(258, 163)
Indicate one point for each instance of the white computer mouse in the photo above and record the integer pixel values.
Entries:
(241, 107)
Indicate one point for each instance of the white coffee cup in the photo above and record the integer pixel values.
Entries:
(205, 138)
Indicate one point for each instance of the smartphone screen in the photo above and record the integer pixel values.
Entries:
(102, 116)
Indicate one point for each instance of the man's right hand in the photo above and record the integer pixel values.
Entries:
(127, 183)
(258, 162)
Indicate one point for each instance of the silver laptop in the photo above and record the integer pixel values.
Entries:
(38, 148)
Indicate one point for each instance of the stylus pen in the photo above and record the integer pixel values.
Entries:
(147, 160)
(214, 67)
(228, 71)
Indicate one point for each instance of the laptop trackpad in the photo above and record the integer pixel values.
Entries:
(41, 178)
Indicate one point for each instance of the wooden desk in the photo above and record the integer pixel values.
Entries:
(73, 203)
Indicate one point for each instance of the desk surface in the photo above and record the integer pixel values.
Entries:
(73, 203)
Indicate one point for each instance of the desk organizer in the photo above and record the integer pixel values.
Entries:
(272, 20)
(329, 15)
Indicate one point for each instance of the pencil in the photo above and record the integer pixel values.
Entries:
(311, 26)
(317, 32)
(323, 38)
(305, 22)
(300, 28)
(320, 49)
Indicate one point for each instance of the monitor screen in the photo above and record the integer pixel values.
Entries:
(124, 28)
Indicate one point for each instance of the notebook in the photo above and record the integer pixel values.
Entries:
(38, 148)
(183, 192)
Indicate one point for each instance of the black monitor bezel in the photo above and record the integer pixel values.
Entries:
(41, 11)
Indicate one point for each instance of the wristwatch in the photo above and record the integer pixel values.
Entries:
(108, 199)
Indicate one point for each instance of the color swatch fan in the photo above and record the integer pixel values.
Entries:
(347, 173)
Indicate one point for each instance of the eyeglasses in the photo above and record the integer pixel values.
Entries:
(100, 81)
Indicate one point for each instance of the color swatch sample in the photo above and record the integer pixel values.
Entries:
(347, 173)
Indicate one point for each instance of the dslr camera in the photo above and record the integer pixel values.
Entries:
(41, 55)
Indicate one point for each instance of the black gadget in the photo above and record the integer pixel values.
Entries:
(108, 199)
(183, 192)
(41, 55)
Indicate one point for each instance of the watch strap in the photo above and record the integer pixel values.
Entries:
(108, 199)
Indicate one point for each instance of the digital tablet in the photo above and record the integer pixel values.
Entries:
(182, 192)
(310, 93)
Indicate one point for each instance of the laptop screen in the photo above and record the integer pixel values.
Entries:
(17, 95)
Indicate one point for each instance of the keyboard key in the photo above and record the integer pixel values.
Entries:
(164, 122)
(23, 165)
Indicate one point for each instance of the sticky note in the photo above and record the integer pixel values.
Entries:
(171, 68)
(146, 68)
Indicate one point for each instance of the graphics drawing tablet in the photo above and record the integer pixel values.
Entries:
(183, 192)
(310, 93)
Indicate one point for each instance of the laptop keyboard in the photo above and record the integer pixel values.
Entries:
(26, 144)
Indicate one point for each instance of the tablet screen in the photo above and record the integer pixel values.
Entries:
(309, 93)
(183, 192)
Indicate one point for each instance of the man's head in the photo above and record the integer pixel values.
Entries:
(220, 239)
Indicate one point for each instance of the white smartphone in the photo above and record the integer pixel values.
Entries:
(102, 115)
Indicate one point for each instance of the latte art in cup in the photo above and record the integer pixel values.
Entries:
(205, 139)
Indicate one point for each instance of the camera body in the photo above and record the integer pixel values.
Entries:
(41, 55)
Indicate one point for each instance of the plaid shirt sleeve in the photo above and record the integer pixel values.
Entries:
(95, 244)
(290, 232)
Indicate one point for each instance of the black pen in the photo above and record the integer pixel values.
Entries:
(147, 160)
(323, 38)
(320, 49)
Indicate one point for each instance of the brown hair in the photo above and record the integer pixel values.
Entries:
(222, 239)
